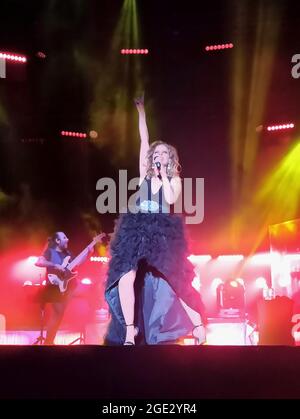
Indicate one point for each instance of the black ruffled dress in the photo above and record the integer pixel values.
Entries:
(150, 239)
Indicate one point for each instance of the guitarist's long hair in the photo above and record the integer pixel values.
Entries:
(51, 242)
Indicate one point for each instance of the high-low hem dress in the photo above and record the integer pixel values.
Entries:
(151, 241)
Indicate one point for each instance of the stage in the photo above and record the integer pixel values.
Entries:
(93, 372)
(149, 177)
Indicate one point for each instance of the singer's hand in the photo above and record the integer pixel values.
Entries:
(156, 172)
(139, 103)
(159, 170)
(163, 171)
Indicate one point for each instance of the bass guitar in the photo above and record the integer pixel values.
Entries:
(62, 279)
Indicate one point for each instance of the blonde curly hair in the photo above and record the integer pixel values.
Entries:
(173, 168)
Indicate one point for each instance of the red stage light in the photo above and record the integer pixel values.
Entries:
(73, 134)
(135, 51)
(218, 47)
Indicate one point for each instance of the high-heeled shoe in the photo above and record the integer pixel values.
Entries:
(129, 342)
(199, 334)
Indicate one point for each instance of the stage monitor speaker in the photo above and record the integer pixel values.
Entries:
(275, 321)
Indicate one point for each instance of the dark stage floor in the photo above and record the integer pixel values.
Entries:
(149, 372)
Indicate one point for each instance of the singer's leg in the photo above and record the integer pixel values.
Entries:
(127, 300)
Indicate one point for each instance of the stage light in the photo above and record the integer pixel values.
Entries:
(240, 281)
(215, 283)
(73, 134)
(13, 57)
(103, 259)
(285, 280)
(41, 54)
(33, 140)
(86, 281)
(25, 269)
(231, 295)
(32, 260)
(261, 259)
(4, 56)
(280, 127)
(218, 47)
(199, 258)
(292, 257)
(134, 51)
(93, 134)
(230, 258)
(27, 284)
(196, 283)
(188, 341)
(261, 282)
(223, 333)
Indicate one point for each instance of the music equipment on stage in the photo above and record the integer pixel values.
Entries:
(275, 321)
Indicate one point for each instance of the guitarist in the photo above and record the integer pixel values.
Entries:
(52, 259)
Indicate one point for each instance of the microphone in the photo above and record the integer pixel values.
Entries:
(158, 165)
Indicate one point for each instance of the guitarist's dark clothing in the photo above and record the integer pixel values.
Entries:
(52, 295)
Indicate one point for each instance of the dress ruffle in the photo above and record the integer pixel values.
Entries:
(157, 242)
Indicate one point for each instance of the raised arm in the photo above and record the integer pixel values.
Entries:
(144, 136)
